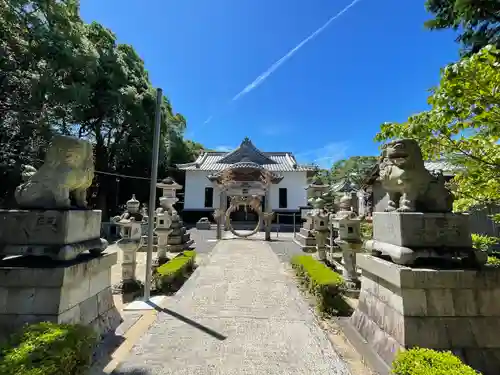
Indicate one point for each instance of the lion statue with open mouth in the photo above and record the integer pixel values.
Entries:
(409, 186)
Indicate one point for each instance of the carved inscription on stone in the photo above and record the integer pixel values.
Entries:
(422, 230)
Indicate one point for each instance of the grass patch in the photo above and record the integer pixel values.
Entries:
(420, 361)
(48, 349)
(170, 276)
(323, 283)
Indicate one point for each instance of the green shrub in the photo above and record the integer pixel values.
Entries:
(483, 242)
(48, 349)
(493, 261)
(174, 271)
(419, 361)
(324, 283)
(366, 230)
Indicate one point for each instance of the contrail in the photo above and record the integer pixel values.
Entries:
(261, 78)
(290, 53)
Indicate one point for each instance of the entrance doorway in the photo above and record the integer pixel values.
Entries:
(248, 215)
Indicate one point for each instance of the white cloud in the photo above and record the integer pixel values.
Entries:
(324, 156)
(209, 118)
(261, 78)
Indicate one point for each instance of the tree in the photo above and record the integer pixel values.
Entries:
(41, 48)
(477, 21)
(60, 75)
(463, 125)
(352, 170)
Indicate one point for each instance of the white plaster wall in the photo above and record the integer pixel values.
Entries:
(194, 191)
(294, 182)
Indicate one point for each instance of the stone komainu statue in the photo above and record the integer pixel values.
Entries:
(409, 186)
(68, 169)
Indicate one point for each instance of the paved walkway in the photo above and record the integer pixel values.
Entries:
(240, 313)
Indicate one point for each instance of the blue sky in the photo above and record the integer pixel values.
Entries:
(372, 64)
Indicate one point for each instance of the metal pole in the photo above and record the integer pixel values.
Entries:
(152, 194)
(294, 225)
(277, 224)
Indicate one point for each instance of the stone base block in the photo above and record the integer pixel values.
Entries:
(61, 253)
(175, 248)
(49, 227)
(306, 232)
(177, 239)
(58, 234)
(417, 230)
(203, 225)
(406, 256)
(458, 310)
(76, 291)
(308, 224)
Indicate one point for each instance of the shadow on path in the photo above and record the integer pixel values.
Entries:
(191, 322)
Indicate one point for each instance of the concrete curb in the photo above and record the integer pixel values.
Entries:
(132, 335)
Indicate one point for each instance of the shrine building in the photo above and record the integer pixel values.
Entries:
(246, 164)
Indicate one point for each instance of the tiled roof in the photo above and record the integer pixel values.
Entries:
(246, 152)
(209, 161)
(342, 186)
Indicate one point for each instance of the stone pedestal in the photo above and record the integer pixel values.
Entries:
(305, 238)
(457, 310)
(179, 239)
(58, 234)
(349, 269)
(203, 224)
(129, 249)
(34, 289)
(163, 235)
(407, 236)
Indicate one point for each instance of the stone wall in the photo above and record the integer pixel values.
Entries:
(457, 310)
(78, 291)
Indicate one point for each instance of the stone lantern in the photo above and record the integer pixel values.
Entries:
(348, 225)
(163, 222)
(320, 222)
(315, 191)
(130, 231)
(178, 239)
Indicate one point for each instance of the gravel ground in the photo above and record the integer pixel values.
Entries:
(240, 314)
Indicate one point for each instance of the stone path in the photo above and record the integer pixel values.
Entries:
(240, 313)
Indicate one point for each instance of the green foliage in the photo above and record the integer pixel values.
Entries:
(462, 126)
(61, 75)
(325, 284)
(352, 171)
(366, 230)
(483, 242)
(493, 262)
(174, 272)
(478, 22)
(48, 349)
(419, 361)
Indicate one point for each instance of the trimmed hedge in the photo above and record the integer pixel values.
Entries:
(48, 349)
(420, 361)
(174, 271)
(324, 283)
